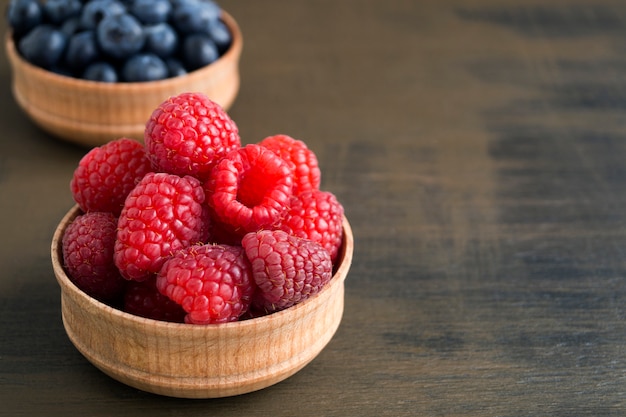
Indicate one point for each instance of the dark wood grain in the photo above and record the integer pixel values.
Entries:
(479, 149)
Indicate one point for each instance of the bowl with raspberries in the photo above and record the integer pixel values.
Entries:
(91, 71)
(192, 265)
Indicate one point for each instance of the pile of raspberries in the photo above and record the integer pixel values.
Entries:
(192, 227)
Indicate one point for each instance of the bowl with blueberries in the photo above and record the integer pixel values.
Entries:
(91, 71)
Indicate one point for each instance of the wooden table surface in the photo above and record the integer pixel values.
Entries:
(479, 149)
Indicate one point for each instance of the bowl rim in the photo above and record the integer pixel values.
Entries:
(339, 275)
(233, 53)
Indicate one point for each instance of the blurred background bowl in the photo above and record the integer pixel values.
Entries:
(200, 361)
(92, 113)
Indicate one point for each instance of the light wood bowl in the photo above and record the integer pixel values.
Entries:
(200, 361)
(92, 113)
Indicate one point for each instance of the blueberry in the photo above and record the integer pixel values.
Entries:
(192, 16)
(175, 67)
(151, 11)
(199, 50)
(82, 50)
(23, 15)
(161, 39)
(120, 35)
(43, 46)
(58, 11)
(101, 71)
(71, 26)
(144, 67)
(220, 34)
(96, 10)
(207, 3)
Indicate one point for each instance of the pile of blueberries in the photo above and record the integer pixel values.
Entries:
(119, 40)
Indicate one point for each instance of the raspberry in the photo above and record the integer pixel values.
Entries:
(188, 133)
(286, 269)
(318, 216)
(143, 299)
(301, 160)
(105, 175)
(88, 255)
(213, 283)
(249, 189)
(162, 214)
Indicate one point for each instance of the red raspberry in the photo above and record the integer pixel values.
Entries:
(105, 175)
(286, 269)
(162, 214)
(88, 255)
(249, 189)
(213, 283)
(301, 160)
(188, 133)
(143, 299)
(318, 216)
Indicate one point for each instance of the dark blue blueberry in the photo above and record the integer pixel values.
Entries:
(199, 50)
(71, 26)
(82, 50)
(208, 3)
(23, 15)
(101, 71)
(175, 67)
(151, 11)
(161, 39)
(58, 11)
(43, 46)
(120, 36)
(220, 34)
(144, 67)
(96, 10)
(192, 16)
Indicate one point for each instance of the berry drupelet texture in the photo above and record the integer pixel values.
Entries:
(107, 174)
(318, 216)
(301, 160)
(286, 269)
(196, 228)
(162, 214)
(213, 283)
(88, 245)
(249, 189)
(188, 133)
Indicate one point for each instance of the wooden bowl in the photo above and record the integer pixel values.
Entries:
(92, 113)
(200, 361)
